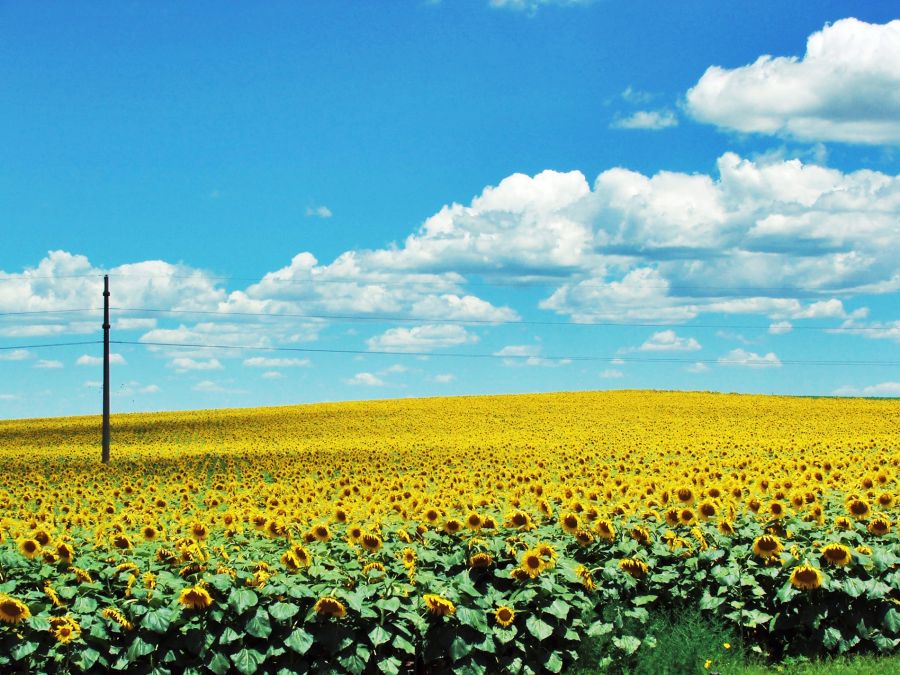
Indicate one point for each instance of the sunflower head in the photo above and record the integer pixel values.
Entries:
(481, 560)
(504, 616)
(837, 554)
(767, 546)
(438, 606)
(12, 610)
(879, 526)
(634, 567)
(195, 597)
(328, 606)
(806, 577)
(30, 548)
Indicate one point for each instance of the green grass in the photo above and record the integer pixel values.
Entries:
(684, 644)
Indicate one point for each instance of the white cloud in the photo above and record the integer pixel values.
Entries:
(636, 96)
(212, 387)
(133, 324)
(92, 384)
(272, 375)
(668, 341)
(532, 6)
(875, 330)
(15, 355)
(444, 378)
(8, 397)
(318, 212)
(652, 120)
(183, 364)
(885, 389)
(150, 389)
(264, 362)
(421, 338)
(739, 357)
(87, 360)
(780, 327)
(698, 367)
(611, 374)
(39, 330)
(528, 355)
(845, 88)
(396, 368)
(49, 364)
(365, 379)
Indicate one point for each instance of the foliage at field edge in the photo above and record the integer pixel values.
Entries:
(324, 539)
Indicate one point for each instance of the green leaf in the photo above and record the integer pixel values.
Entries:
(627, 643)
(228, 635)
(299, 641)
(459, 648)
(242, 599)
(831, 638)
(259, 626)
(138, 648)
(84, 605)
(283, 611)
(158, 620)
(390, 665)
(644, 600)
(87, 657)
(219, 664)
(247, 661)
(892, 620)
(710, 602)
(554, 662)
(390, 605)
(505, 635)
(854, 587)
(786, 592)
(559, 609)
(404, 645)
(599, 628)
(538, 628)
(379, 636)
(24, 649)
(352, 662)
(476, 619)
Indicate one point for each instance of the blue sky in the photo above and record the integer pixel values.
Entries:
(671, 195)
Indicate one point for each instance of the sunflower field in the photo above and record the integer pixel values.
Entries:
(471, 534)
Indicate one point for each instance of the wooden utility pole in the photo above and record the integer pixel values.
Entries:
(105, 453)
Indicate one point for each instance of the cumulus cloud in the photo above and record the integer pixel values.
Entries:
(264, 362)
(212, 387)
(527, 355)
(668, 341)
(611, 374)
(365, 379)
(696, 368)
(48, 364)
(15, 355)
(653, 120)
(318, 212)
(423, 338)
(444, 378)
(845, 88)
(88, 360)
(780, 327)
(532, 6)
(272, 375)
(884, 389)
(183, 364)
(745, 359)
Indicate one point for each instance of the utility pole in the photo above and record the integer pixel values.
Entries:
(105, 453)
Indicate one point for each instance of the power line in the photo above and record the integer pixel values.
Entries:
(53, 344)
(628, 359)
(51, 311)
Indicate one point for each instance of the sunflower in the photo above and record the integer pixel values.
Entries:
(672, 517)
(408, 557)
(504, 616)
(116, 616)
(726, 528)
(858, 508)
(330, 607)
(30, 548)
(520, 520)
(195, 597)
(532, 563)
(452, 526)
(520, 574)
(767, 546)
(837, 554)
(121, 541)
(863, 550)
(806, 577)
(686, 516)
(376, 567)
(481, 560)
(776, 509)
(570, 522)
(879, 526)
(586, 578)
(634, 567)
(685, 495)
(371, 542)
(199, 531)
(321, 533)
(65, 552)
(64, 628)
(12, 611)
(641, 534)
(474, 521)
(605, 530)
(51, 593)
(547, 552)
(81, 575)
(438, 606)
(584, 538)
